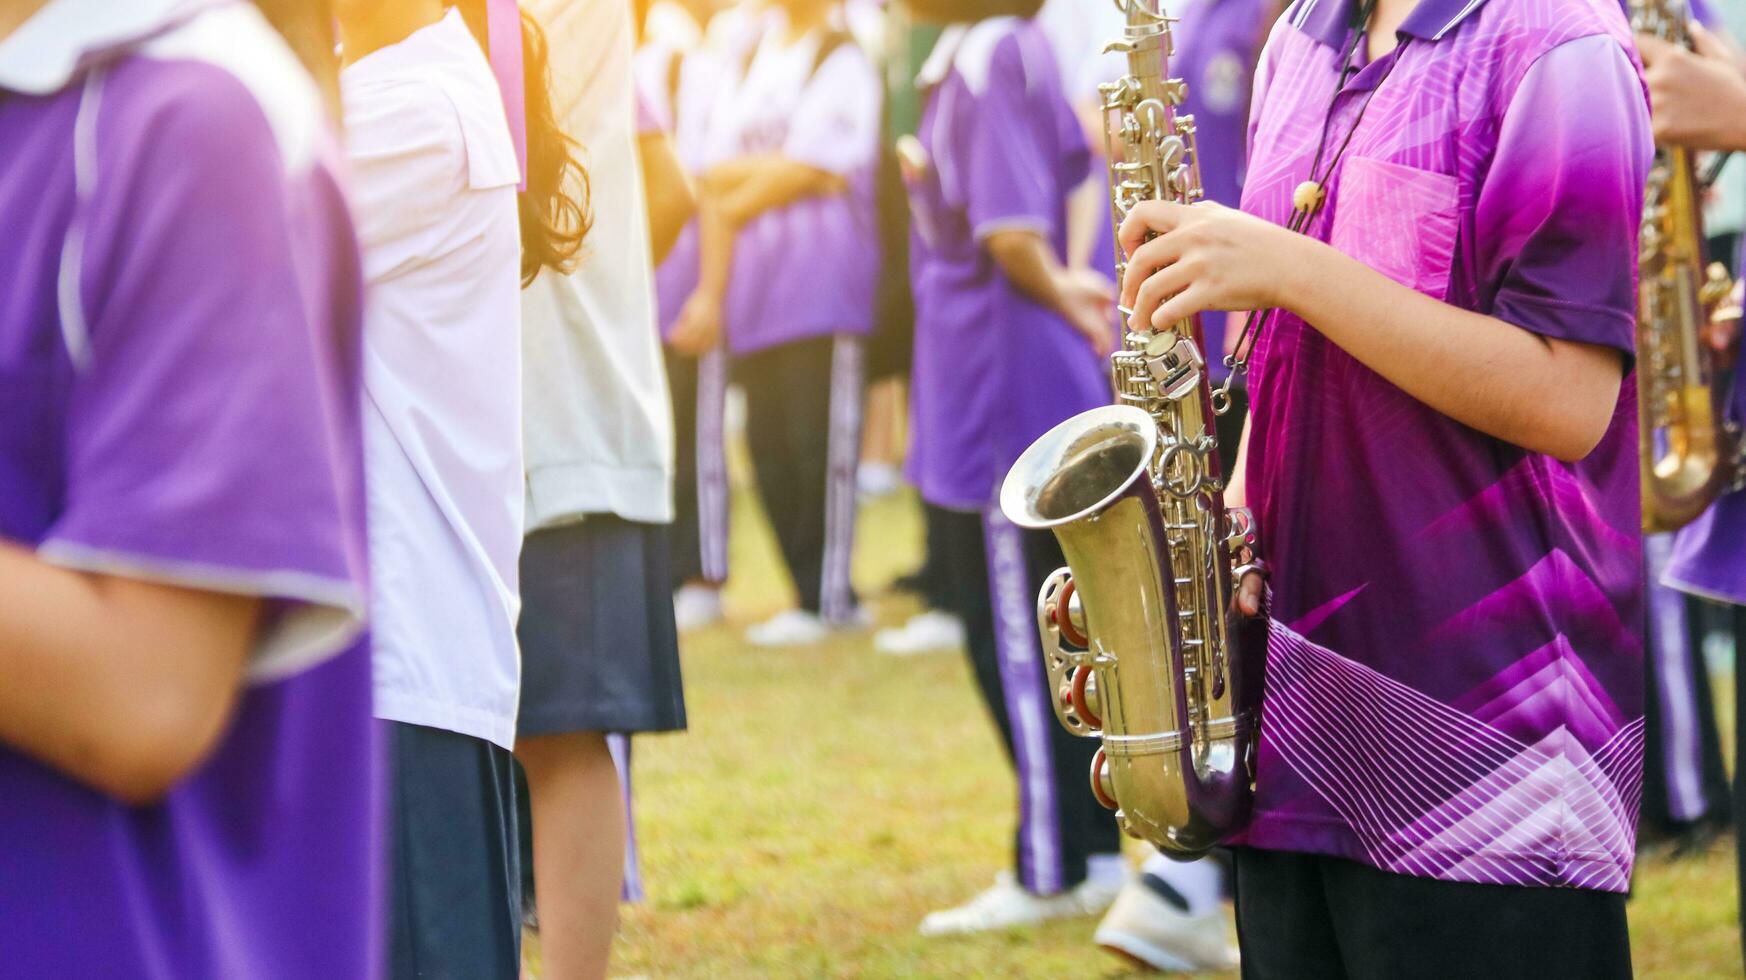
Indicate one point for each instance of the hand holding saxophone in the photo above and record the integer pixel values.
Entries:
(1697, 95)
(1201, 257)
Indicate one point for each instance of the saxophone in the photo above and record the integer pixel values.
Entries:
(1139, 642)
(1690, 453)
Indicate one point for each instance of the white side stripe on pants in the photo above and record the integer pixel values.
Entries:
(842, 458)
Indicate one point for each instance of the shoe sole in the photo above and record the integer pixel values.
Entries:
(1140, 953)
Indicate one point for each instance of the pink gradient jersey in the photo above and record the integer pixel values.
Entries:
(1455, 689)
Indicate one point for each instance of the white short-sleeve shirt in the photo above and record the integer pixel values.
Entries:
(433, 189)
(822, 112)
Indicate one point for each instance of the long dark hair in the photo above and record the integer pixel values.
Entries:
(555, 209)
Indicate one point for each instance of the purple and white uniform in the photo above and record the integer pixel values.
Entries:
(693, 90)
(1709, 555)
(993, 369)
(802, 281)
(1455, 691)
(179, 379)
(807, 269)
(696, 100)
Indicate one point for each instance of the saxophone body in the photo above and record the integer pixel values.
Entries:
(1690, 453)
(1139, 642)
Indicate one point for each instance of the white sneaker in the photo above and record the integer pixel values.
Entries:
(696, 606)
(1007, 904)
(1142, 927)
(793, 628)
(878, 479)
(926, 632)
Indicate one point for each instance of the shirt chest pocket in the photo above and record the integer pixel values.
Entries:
(1398, 220)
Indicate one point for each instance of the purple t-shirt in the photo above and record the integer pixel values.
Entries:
(993, 370)
(179, 358)
(1709, 555)
(806, 269)
(1456, 687)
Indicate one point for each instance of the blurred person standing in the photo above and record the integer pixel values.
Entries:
(690, 89)
(599, 649)
(190, 773)
(1008, 342)
(434, 175)
(1685, 780)
(1698, 101)
(788, 257)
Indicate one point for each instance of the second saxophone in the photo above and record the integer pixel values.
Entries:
(1690, 452)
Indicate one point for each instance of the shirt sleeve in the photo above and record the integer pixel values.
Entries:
(1263, 77)
(836, 126)
(651, 115)
(406, 149)
(1557, 218)
(211, 435)
(1014, 179)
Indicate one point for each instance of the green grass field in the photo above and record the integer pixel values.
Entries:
(825, 799)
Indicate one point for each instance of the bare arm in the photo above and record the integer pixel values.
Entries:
(1237, 480)
(1247, 599)
(699, 326)
(753, 185)
(1488, 374)
(1697, 98)
(121, 684)
(1082, 298)
(731, 196)
(668, 191)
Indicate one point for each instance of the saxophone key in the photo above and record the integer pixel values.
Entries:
(1177, 368)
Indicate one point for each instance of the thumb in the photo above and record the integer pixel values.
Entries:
(1249, 595)
(1651, 49)
(1706, 43)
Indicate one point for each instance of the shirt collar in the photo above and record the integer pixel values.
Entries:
(1328, 20)
(939, 61)
(65, 36)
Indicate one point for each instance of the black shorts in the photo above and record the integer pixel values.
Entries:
(1307, 917)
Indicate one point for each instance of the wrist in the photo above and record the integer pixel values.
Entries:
(1059, 299)
(1303, 265)
(1732, 139)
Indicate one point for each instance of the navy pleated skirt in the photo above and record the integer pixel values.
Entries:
(599, 649)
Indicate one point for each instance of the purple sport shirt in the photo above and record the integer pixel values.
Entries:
(1709, 555)
(1455, 690)
(993, 370)
(179, 356)
(807, 269)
